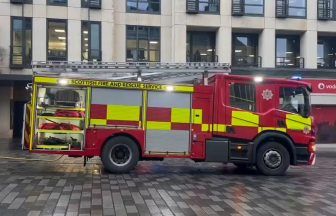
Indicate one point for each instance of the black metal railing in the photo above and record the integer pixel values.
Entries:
(95, 55)
(247, 61)
(16, 57)
(290, 62)
(95, 4)
(326, 14)
(192, 6)
(57, 55)
(202, 58)
(327, 63)
(281, 8)
(238, 7)
(17, 1)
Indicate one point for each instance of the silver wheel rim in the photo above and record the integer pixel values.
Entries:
(120, 155)
(272, 159)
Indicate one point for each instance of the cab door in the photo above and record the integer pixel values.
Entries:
(241, 114)
(294, 109)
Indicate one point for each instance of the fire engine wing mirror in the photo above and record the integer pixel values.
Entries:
(29, 86)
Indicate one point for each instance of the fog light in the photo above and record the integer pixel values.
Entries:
(312, 147)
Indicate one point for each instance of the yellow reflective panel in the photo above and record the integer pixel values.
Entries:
(247, 119)
(102, 122)
(180, 115)
(181, 88)
(152, 125)
(297, 122)
(205, 127)
(123, 113)
(197, 116)
(50, 80)
(221, 128)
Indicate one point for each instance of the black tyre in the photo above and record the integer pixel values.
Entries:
(273, 159)
(120, 155)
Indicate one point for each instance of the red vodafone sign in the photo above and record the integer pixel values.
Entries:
(322, 86)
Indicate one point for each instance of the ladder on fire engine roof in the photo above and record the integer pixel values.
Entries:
(132, 71)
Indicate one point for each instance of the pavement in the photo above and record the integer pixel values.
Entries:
(170, 187)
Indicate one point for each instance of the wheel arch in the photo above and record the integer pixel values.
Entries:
(276, 136)
(123, 135)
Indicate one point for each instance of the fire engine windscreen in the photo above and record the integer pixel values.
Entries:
(295, 100)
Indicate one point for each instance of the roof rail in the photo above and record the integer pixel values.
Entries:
(152, 71)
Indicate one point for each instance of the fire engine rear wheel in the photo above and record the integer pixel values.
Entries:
(120, 155)
(273, 159)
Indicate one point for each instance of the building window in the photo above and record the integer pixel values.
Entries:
(143, 43)
(95, 4)
(245, 50)
(21, 42)
(91, 41)
(57, 40)
(203, 6)
(326, 9)
(144, 6)
(201, 46)
(326, 52)
(288, 51)
(58, 2)
(243, 96)
(209, 6)
(291, 8)
(248, 7)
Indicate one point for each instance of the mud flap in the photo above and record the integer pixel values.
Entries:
(26, 127)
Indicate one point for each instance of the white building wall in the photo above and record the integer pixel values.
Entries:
(174, 23)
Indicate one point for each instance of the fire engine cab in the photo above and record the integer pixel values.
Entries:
(248, 121)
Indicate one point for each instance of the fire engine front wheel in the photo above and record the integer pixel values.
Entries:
(120, 155)
(273, 159)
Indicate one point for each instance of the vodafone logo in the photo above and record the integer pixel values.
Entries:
(321, 86)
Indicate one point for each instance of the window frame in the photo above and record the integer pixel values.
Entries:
(211, 35)
(330, 60)
(209, 12)
(148, 43)
(287, 11)
(306, 98)
(332, 17)
(23, 44)
(253, 14)
(140, 11)
(57, 4)
(89, 39)
(47, 32)
(256, 37)
(295, 7)
(255, 107)
(276, 50)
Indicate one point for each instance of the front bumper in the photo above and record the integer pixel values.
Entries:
(304, 157)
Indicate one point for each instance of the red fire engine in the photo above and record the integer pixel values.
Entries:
(248, 121)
